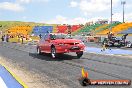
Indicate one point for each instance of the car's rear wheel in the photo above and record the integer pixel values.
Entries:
(79, 54)
(53, 52)
(39, 51)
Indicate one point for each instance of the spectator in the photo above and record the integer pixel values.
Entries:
(104, 47)
(0, 32)
(7, 38)
(2, 38)
(124, 38)
(110, 35)
(40, 36)
(22, 38)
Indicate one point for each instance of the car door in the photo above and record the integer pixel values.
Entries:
(47, 43)
(42, 43)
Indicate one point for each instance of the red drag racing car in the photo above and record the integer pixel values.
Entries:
(58, 43)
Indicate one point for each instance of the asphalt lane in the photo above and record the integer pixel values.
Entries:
(66, 69)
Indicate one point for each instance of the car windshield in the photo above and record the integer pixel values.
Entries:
(60, 36)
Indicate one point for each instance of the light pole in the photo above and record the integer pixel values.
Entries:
(123, 3)
(111, 16)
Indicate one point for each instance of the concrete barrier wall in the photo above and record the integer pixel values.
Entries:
(89, 38)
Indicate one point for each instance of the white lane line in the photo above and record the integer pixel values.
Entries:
(2, 83)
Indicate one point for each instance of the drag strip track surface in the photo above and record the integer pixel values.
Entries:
(67, 68)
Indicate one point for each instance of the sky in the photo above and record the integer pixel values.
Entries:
(63, 11)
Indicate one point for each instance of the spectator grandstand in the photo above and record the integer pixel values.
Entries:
(129, 31)
(87, 29)
(62, 28)
(122, 27)
(37, 30)
(106, 29)
(24, 30)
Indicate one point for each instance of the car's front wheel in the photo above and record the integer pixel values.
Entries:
(79, 54)
(39, 51)
(53, 52)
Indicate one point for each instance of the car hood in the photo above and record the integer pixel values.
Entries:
(67, 41)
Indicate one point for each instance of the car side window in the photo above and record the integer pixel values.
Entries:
(47, 36)
(43, 38)
(52, 37)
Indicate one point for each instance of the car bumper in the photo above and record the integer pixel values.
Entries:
(69, 49)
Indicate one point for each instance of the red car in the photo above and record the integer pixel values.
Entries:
(58, 43)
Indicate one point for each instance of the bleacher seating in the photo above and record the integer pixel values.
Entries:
(129, 31)
(24, 30)
(105, 30)
(100, 27)
(54, 28)
(37, 30)
(62, 28)
(75, 27)
(121, 27)
(89, 28)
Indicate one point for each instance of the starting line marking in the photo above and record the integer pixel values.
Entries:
(2, 83)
